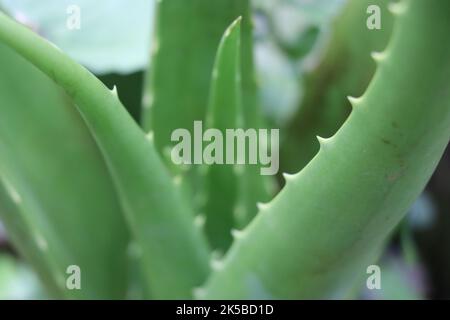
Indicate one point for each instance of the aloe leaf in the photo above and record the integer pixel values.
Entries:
(224, 112)
(324, 108)
(183, 52)
(174, 253)
(21, 235)
(254, 187)
(48, 156)
(129, 90)
(331, 220)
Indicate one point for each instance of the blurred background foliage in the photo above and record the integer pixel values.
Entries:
(308, 56)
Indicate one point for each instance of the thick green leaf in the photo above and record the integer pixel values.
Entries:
(187, 36)
(174, 252)
(345, 69)
(66, 210)
(329, 223)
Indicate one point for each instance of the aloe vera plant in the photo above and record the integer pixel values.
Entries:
(383, 155)
(312, 240)
(173, 54)
(128, 170)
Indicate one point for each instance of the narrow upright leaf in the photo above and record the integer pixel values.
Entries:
(225, 112)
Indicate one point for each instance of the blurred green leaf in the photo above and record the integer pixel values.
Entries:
(187, 36)
(67, 211)
(224, 112)
(184, 47)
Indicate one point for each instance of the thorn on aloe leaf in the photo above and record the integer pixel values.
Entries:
(150, 136)
(288, 177)
(378, 56)
(114, 91)
(262, 206)
(397, 8)
(216, 264)
(199, 220)
(237, 234)
(354, 101)
(324, 142)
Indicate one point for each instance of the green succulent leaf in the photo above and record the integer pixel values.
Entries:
(174, 252)
(57, 198)
(224, 112)
(183, 51)
(254, 188)
(331, 220)
(324, 108)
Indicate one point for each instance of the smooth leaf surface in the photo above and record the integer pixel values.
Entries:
(224, 112)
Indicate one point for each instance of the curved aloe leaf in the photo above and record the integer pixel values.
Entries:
(51, 164)
(345, 69)
(331, 220)
(174, 252)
